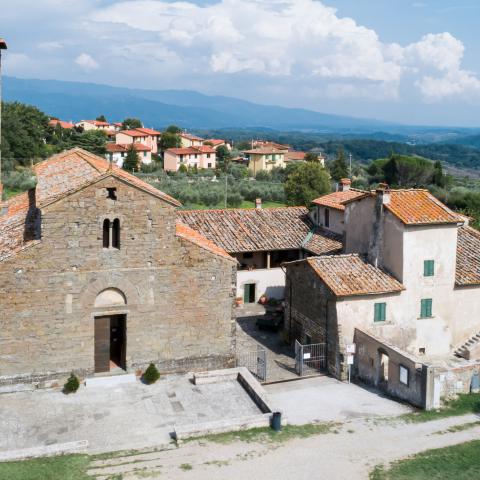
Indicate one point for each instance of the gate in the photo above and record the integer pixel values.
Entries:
(255, 361)
(310, 359)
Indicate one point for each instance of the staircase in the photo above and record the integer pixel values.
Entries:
(466, 350)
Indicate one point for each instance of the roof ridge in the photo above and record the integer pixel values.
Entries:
(243, 209)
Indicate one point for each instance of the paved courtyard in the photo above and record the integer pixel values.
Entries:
(280, 357)
(115, 418)
(323, 399)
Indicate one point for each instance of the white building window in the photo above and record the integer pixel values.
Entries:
(404, 375)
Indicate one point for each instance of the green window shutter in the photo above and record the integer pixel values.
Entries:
(429, 268)
(380, 310)
(426, 308)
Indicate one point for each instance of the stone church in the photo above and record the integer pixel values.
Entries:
(96, 275)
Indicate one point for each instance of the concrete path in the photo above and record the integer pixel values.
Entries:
(348, 454)
(324, 399)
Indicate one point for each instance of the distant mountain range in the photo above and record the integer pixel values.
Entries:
(196, 111)
(159, 108)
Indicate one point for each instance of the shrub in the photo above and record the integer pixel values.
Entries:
(234, 200)
(72, 384)
(151, 374)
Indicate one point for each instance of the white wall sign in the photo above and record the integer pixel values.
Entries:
(351, 348)
(306, 356)
(350, 359)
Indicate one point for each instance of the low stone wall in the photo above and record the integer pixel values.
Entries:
(367, 368)
(44, 451)
(251, 387)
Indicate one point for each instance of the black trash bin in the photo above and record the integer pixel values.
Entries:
(276, 421)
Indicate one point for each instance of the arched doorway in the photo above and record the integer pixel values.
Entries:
(110, 331)
(383, 361)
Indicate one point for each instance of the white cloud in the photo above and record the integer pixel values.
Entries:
(300, 39)
(86, 62)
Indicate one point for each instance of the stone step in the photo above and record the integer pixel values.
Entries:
(109, 381)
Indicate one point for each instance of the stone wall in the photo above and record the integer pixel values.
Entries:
(310, 309)
(179, 296)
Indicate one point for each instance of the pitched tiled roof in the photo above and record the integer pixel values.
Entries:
(278, 146)
(97, 123)
(134, 133)
(57, 177)
(190, 137)
(419, 207)
(183, 231)
(338, 199)
(191, 150)
(254, 230)
(264, 151)
(214, 141)
(468, 257)
(351, 275)
(294, 156)
(124, 147)
(148, 131)
(54, 122)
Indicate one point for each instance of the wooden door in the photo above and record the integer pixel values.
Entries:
(102, 344)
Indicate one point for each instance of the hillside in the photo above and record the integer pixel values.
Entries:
(159, 108)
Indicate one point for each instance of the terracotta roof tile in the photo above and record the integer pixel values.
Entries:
(294, 156)
(215, 141)
(351, 275)
(148, 131)
(133, 133)
(468, 257)
(251, 230)
(337, 200)
(191, 150)
(67, 125)
(183, 231)
(264, 151)
(124, 147)
(419, 207)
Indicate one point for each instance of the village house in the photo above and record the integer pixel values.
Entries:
(145, 136)
(217, 142)
(117, 152)
(94, 125)
(200, 157)
(261, 239)
(67, 125)
(406, 292)
(97, 275)
(187, 140)
(265, 159)
(292, 156)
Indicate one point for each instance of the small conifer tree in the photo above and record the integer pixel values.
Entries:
(131, 160)
(151, 374)
(72, 384)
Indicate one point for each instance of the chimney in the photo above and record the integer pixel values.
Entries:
(375, 247)
(3, 46)
(258, 203)
(345, 184)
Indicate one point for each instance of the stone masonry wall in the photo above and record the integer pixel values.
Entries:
(179, 296)
(310, 309)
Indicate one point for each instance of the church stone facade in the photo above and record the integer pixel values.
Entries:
(96, 275)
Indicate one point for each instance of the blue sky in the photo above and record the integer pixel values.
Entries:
(408, 61)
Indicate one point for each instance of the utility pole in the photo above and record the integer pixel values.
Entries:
(226, 189)
(350, 157)
(3, 46)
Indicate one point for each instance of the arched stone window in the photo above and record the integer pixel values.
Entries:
(110, 297)
(106, 233)
(116, 234)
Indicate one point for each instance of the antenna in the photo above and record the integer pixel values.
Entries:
(3, 46)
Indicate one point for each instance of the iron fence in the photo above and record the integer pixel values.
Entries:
(255, 361)
(310, 359)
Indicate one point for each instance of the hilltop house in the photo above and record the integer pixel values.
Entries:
(217, 142)
(67, 125)
(187, 140)
(94, 125)
(145, 136)
(117, 152)
(260, 240)
(200, 157)
(96, 276)
(406, 292)
(265, 158)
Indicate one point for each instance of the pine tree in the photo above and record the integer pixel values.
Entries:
(338, 169)
(131, 160)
